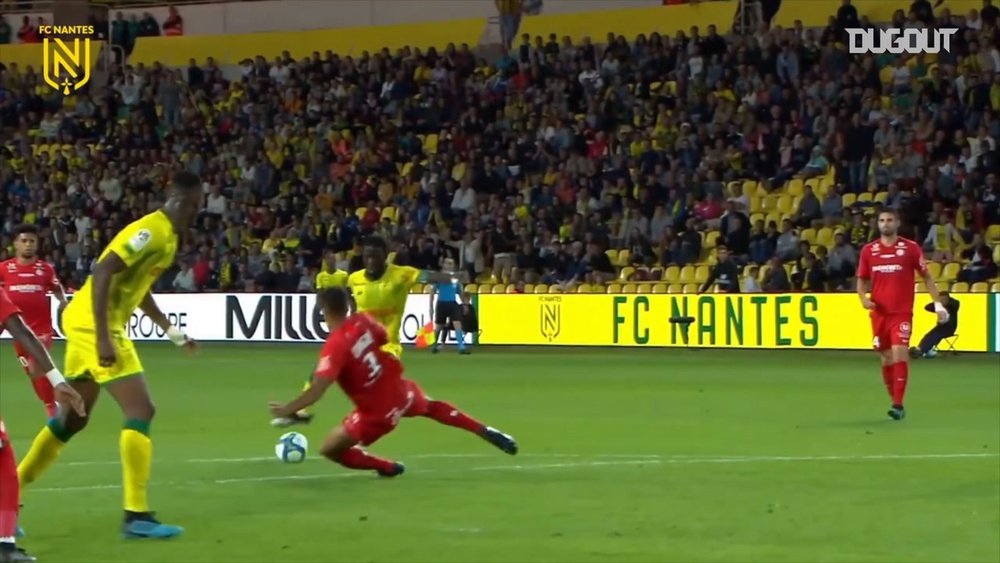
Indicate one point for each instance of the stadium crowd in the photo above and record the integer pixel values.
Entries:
(559, 163)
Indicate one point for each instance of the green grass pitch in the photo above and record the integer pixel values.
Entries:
(627, 455)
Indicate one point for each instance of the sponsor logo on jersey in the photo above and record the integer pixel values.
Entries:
(25, 288)
(887, 268)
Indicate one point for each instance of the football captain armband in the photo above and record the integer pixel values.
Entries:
(177, 336)
(55, 377)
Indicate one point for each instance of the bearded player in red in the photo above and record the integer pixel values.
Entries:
(887, 265)
(28, 281)
(373, 380)
(10, 319)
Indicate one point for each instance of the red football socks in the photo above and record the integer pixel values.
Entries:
(901, 376)
(888, 376)
(356, 458)
(447, 414)
(9, 492)
(45, 393)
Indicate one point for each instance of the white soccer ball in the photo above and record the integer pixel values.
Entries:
(292, 448)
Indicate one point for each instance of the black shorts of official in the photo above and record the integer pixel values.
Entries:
(447, 313)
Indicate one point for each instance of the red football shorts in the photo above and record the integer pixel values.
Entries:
(22, 355)
(367, 428)
(891, 330)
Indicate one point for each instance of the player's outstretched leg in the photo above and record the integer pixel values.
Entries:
(136, 449)
(340, 447)
(51, 440)
(9, 505)
(449, 415)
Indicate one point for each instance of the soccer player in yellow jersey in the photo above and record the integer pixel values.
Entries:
(381, 290)
(100, 355)
(331, 277)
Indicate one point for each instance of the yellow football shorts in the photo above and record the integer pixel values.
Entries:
(82, 359)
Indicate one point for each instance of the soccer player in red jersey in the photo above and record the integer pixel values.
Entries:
(886, 268)
(10, 319)
(28, 281)
(373, 379)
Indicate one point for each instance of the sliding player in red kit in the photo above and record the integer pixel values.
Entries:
(29, 281)
(373, 380)
(888, 265)
(10, 320)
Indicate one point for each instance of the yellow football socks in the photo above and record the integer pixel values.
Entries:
(44, 450)
(137, 460)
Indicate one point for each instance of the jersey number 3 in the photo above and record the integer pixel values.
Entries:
(374, 368)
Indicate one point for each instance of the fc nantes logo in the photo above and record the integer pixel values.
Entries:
(551, 319)
(66, 56)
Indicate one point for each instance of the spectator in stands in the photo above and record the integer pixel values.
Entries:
(842, 262)
(184, 280)
(787, 245)
(776, 280)
(943, 241)
(174, 24)
(810, 277)
(725, 273)
(981, 266)
(147, 26)
(6, 31)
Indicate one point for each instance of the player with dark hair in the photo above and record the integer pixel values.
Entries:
(12, 321)
(886, 267)
(446, 310)
(28, 281)
(381, 290)
(355, 357)
(100, 355)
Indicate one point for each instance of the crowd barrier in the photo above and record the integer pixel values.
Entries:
(811, 321)
(814, 321)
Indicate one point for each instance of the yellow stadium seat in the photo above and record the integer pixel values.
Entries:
(773, 217)
(629, 288)
(613, 256)
(389, 213)
(428, 289)
(687, 274)
(675, 288)
(995, 288)
(511, 288)
(529, 288)
(431, 144)
(808, 235)
(996, 254)
(471, 288)
(626, 273)
(762, 273)
(881, 197)
(644, 288)
(993, 234)
(865, 197)
(405, 169)
(485, 288)
(980, 287)
(555, 289)
(756, 216)
(659, 288)
(711, 239)
(624, 256)
(750, 187)
(769, 203)
(499, 289)
(486, 277)
(672, 274)
(920, 287)
(541, 288)
(656, 274)
(360, 212)
(848, 199)
(785, 204)
(458, 172)
(943, 285)
(795, 187)
(959, 287)
(701, 274)
(614, 288)
(934, 269)
(587, 288)
(690, 288)
(824, 237)
(950, 272)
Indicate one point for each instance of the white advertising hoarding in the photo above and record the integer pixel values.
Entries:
(250, 317)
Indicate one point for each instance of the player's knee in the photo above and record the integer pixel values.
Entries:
(142, 410)
(73, 425)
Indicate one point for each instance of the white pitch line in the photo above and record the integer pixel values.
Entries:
(416, 456)
(666, 460)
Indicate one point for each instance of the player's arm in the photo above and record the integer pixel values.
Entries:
(176, 335)
(326, 373)
(64, 393)
(863, 276)
(56, 287)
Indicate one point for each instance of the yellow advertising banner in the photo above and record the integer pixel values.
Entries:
(820, 321)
